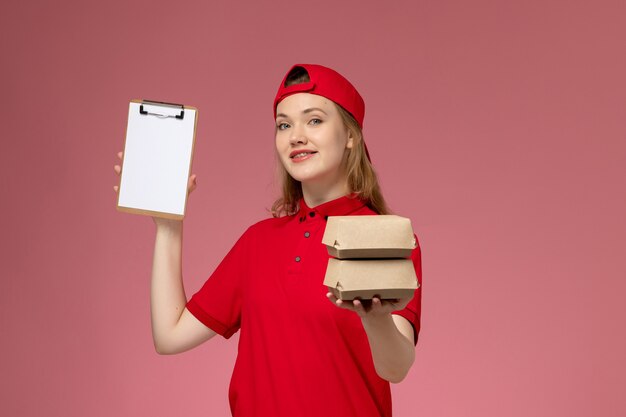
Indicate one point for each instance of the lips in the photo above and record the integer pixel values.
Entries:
(300, 153)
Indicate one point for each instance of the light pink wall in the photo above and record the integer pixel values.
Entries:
(498, 127)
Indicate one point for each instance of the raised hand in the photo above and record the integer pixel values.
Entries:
(191, 185)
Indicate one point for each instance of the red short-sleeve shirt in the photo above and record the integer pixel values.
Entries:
(299, 355)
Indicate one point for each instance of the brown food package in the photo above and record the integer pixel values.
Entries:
(364, 278)
(385, 236)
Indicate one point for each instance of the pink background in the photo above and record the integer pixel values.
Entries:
(497, 127)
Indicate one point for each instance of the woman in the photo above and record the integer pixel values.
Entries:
(301, 351)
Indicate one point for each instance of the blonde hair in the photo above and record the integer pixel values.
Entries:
(362, 179)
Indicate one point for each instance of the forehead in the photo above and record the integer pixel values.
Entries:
(296, 103)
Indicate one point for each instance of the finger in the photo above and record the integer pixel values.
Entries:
(359, 307)
(192, 183)
(120, 154)
(382, 306)
(345, 304)
(115, 188)
(117, 169)
(338, 302)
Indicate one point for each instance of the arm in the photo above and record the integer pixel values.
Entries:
(390, 336)
(174, 328)
(391, 341)
(393, 355)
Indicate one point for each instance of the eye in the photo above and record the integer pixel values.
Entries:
(315, 121)
(282, 126)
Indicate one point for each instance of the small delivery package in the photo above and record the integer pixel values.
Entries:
(369, 257)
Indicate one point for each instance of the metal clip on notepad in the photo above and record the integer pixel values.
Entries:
(162, 104)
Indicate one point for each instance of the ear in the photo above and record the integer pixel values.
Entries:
(350, 143)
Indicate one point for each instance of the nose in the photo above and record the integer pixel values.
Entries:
(297, 136)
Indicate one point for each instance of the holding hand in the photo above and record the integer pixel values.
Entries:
(191, 185)
(370, 309)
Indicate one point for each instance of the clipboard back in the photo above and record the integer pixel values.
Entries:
(158, 152)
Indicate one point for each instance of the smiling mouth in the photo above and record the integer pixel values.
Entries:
(302, 154)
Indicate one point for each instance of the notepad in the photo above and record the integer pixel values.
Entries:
(158, 152)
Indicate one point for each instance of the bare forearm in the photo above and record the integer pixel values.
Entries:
(167, 296)
(392, 352)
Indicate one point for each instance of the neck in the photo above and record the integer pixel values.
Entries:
(316, 194)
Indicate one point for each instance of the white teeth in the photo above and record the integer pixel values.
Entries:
(300, 155)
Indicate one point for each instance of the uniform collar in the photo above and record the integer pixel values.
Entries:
(341, 206)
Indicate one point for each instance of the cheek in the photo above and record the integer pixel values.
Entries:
(279, 149)
(279, 144)
(281, 138)
(340, 144)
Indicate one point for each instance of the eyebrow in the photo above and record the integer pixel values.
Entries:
(305, 111)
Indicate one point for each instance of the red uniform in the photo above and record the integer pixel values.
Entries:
(299, 355)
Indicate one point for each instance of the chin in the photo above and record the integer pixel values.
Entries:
(302, 178)
(310, 174)
(298, 174)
